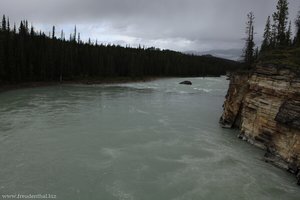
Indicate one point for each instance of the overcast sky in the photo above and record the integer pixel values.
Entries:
(182, 25)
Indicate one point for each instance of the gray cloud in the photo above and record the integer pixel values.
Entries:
(176, 24)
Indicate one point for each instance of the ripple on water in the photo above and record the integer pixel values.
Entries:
(153, 140)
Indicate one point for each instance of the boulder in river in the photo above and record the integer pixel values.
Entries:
(186, 83)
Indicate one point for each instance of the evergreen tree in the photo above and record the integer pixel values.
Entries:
(53, 32)
(256, 53)
(249, 48)
(15, 29)
(79, 39)
(8, 25)
(280, 18)
(273, 41)
(75, 34)
(3, 27)
(32, 33)
(26, 27)
(62, 35)
(21, 28)
(289, 35)
(267, 36)
(2, 72)
(297, 37)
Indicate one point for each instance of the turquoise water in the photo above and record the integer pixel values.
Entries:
(143, 141)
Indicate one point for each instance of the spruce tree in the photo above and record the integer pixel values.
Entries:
(62, 35)
(78, 39)
(75, 34)
(267, 35)
(8, 25)
(15, 29)
(32, 33)
(289, 35)
(26, 27)
(2, 72)
(53, 32)
(297, 37)
(280, 18)
(256, 54)
(21, 28)
(249, 48)
(3, 27)
(273, 41)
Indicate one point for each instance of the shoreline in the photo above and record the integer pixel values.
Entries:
(119, 80)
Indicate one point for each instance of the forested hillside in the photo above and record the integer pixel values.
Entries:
(27, 55)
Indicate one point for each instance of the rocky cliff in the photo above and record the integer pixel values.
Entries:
(265, 105)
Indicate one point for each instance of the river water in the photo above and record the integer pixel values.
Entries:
(142, 141)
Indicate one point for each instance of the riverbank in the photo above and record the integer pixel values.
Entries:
(14, 86)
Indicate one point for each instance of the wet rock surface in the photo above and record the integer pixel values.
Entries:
(186, 83)
(289, 114)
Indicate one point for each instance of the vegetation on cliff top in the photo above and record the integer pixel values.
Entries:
(288, 57)
(278, 46)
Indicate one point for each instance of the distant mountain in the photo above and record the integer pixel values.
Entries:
(231, 54)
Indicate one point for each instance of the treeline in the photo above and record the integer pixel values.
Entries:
(277, 34)
(27, 55)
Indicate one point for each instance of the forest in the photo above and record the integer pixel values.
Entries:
(27, 55)
(278, 45)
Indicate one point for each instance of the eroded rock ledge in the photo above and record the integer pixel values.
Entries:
(265, 105)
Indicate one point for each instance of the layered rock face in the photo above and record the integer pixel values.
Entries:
(265, 106)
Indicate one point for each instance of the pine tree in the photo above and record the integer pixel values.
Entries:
(273, 41)
(62, 35)
(280, 18)
(21, 28)
(75, 34)
(53, 32)
(2, 70)
(289, 35)
(26, 27)
(256, 54)
(297, 37)
(3, 27)
(8, 25)
(32, 33)
(267, 35)
(78, 39)
(249, 49)
(15, 29)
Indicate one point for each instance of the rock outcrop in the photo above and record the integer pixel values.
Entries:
(265, 105)
(186, 83)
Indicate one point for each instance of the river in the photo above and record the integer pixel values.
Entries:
(156, 140)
